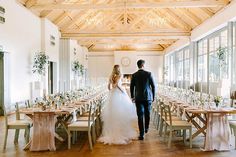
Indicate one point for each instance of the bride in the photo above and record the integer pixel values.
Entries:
(118, 114)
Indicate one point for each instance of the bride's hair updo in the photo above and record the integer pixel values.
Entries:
(115, 75)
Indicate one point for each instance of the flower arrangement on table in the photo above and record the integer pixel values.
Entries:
(59, 98)
(217, 100)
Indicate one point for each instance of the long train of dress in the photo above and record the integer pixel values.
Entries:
(118, 117)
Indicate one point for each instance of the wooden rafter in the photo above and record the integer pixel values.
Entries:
(193, 16)
(155, 30)
(163, 35)
(74, 20)
(30, 3)
(126, 24)
(45, 13)
(60, 17)
(128, 5)
(206, 11)
(163, 42)
(177, 19)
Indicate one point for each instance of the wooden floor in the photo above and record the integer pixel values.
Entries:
(152, 146)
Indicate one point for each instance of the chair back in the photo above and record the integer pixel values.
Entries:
(92, 111)
(17, 111)
(5, 115)
(161, 106)
(167, 113)
(28, 104)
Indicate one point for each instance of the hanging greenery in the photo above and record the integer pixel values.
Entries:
(78, 68)
(82, 70)
(166, 70)
(221, 56)
(40, 63)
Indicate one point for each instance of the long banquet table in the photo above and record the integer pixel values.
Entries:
(62, 115)
(211, 122)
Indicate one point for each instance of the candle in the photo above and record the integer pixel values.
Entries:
(64, 86)
(59, 86)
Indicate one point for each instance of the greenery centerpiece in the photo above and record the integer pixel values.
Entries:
(217, 100)
(40, 63)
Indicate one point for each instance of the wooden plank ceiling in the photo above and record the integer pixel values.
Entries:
(139, 25)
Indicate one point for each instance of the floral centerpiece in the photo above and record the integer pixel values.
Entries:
(217, 100)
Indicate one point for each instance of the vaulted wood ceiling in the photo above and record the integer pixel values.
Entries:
(108, 25)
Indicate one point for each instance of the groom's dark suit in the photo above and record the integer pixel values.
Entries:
(142, 90)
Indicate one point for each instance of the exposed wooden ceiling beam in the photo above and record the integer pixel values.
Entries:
(120, 31)
(81, 15)
(206, 11)
(147, 35)
(60, 17)
(149, 42)
(193, 16)
(45, 13)
(178, 20)
(128, 5)
(30, 3)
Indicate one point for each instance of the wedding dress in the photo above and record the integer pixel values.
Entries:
(118, 118)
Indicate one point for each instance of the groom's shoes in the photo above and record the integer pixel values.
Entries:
(146, 130)
(140, 138)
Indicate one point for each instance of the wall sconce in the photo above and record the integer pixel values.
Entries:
(2, 12)
(52, 40)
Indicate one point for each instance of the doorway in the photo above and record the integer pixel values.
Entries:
(1, 82)
(52, 77)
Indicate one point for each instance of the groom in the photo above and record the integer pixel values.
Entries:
(142, 90)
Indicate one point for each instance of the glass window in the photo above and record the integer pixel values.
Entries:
(234, 53)
(202, 65)
(179, 67)
(186, 68)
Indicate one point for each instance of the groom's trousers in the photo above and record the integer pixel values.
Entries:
(143, 113)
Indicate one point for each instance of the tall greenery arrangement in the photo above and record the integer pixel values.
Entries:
(221, 56)
(40, 63)
(78, 68)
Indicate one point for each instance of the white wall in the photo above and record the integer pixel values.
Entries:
(70, 51)
(153, 63)
(21, 37)
(48, 30)
(100, 64)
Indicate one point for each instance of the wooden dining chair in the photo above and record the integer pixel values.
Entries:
(156, 113)
(80, 126)
(16, 125)
(19, 117)
(175, 125)
(97, 114)
(162, 122)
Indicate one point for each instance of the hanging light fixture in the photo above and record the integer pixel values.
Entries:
(156, 21)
